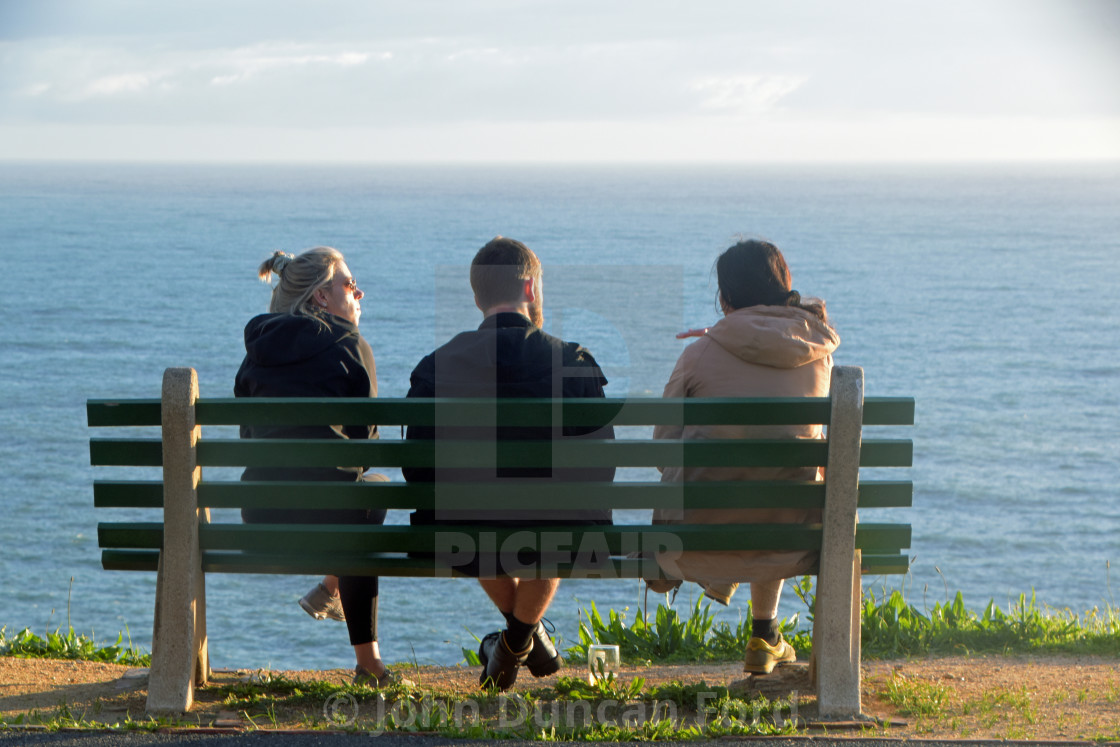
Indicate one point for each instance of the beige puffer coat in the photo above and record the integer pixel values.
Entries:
(759, 351)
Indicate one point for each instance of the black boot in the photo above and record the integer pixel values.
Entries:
(499, 664)
(543, 659)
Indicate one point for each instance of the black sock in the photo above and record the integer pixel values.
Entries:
(519, 634)
(767, 630)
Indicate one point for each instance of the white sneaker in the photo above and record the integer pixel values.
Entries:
(320, 604)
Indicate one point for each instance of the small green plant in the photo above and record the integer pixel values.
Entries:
(1002, 704)
(604, 688)
(916, 698)
(65, 718)
(470, 655)
(892, 628)
(71, 645)
(669, 638)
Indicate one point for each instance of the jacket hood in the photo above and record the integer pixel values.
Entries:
(286, 339)
(775, 336)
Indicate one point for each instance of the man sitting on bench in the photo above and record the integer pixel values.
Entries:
(509, 356)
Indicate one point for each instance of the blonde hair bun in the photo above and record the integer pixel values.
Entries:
(274, 264)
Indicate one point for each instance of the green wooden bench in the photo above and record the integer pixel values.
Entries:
(185, 545)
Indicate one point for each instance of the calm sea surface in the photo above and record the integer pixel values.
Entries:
(989, 293)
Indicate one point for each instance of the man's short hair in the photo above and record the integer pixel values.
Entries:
(499, 271)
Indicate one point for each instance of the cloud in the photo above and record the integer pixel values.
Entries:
(248, 63)
(419, 81)
(746, 94)
(112, 85)
(555, 66)
(73, 80)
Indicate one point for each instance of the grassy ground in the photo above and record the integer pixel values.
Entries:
(1028, 671)
(992, 697)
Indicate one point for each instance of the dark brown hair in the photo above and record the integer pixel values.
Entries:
(499, 271)
(754, 273)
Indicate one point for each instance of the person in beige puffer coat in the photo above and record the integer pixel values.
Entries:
(770, 343)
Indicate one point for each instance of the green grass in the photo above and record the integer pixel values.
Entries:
(572, 709)
(71, 645)
(916, 698)
(664, 636)
(63, 718)
(891, 628)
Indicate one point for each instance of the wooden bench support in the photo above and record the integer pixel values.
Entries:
(179, 652)
(836, 632)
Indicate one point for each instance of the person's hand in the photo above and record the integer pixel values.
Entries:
(692, 333)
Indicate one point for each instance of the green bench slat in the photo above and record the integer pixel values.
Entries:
(126, 452)
(229, 452)
(886, 452)
(519, 412)
(136, 535)
(639, 411)
(885, 564)
(618, 539)
(886, 494)
(618, 495)
(581, 453)
(138, 412)
(128, 493)
(888, 411)
(380, 564)
(588, 495)
(130, 560)
(384, 564)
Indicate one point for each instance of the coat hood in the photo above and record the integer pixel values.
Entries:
(287, 339)
(775, 336)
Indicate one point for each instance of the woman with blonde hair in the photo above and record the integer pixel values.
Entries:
(308, 345)
(769, 343)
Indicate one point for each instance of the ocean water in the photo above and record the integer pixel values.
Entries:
(986, 292)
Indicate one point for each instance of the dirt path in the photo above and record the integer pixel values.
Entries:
(982, 697)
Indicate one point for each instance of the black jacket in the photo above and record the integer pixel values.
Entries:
(289, 355)
(509, 357)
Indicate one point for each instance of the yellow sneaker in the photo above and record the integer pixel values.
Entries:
(761, 657)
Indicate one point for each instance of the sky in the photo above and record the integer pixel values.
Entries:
(573, 81)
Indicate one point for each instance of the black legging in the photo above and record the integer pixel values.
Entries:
(359, 602)
(358, 593)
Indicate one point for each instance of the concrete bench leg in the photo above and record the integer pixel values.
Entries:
(179, 652)
(836, 628)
